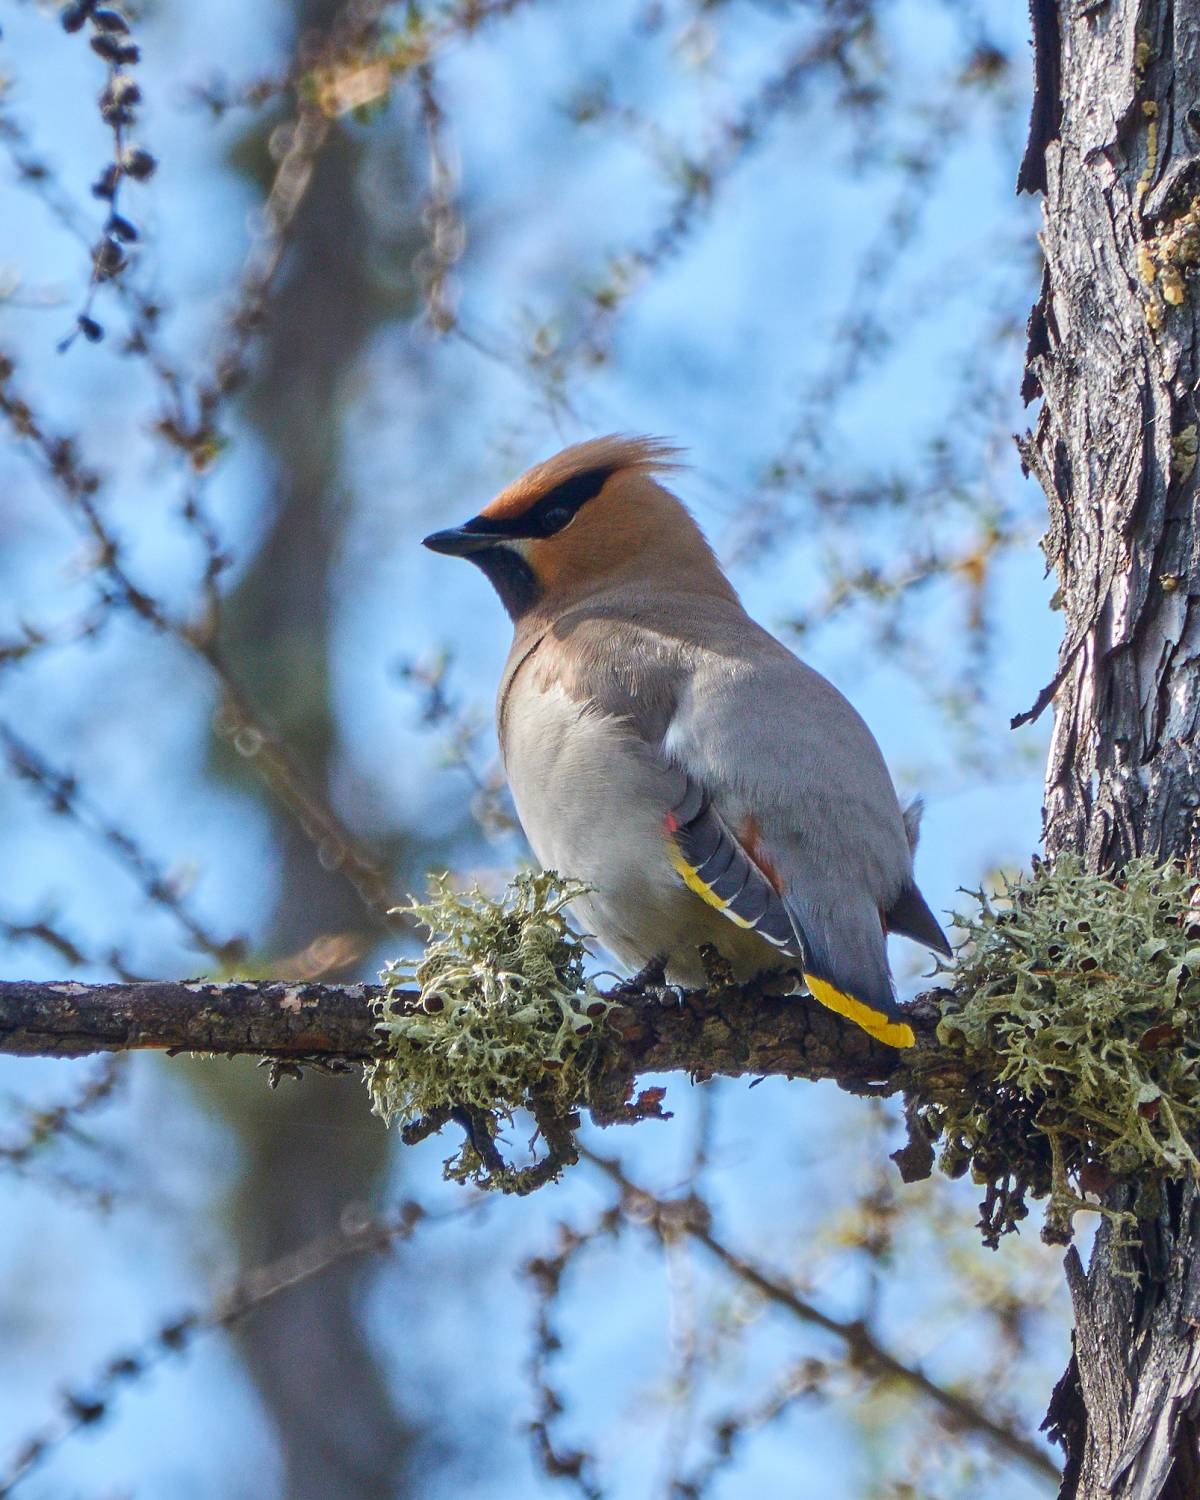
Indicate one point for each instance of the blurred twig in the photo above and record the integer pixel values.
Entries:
(85, 1406)
(806, 1377)
(45, 1123)
(47, 932)
(109, 35)
(700, 177)
(78, 485)
(32, 639)
(671, 1218)
(62, 795)
(462, 734)
(442, 212)
(558, 1459)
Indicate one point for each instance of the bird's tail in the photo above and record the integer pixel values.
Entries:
(846, 967)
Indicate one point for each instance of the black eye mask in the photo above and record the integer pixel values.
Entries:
(553, 512)
(481, 540)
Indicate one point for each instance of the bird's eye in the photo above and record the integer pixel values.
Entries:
(557, 517)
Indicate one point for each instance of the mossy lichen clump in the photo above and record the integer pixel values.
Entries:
(1068, 1058)
(1070, 1052)
(503, 1019)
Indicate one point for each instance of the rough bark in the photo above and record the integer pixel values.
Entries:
(331, 1025)
(1114, 352)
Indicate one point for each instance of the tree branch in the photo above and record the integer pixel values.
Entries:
(84, 1407)
(735, 1032)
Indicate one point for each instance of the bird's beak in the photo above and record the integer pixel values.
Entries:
(458, 541)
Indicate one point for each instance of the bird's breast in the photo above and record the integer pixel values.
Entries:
(586, 790)
(592, 797)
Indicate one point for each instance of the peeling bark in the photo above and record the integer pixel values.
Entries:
(1114, 351)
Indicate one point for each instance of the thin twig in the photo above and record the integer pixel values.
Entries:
(61, 793)
(47, 1123)
(691, 1217)
(85, 1406)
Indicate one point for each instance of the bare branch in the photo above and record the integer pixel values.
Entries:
(84, 1407)
(690, 1216)
(738, 1033)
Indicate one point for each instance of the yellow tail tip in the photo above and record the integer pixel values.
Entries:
(875, 1022)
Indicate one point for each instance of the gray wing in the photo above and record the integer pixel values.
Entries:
(793, 771)
(716, 864)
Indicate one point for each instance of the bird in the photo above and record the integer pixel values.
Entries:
(705, 785)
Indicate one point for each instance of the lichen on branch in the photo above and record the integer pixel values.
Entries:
(1079, 995)
(504, 1020)
(1066, 1058)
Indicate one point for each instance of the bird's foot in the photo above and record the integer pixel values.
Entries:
(718, 971)
(651, 976)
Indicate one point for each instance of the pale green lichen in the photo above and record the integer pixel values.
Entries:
(504, 1014)
(1185, 448)
(1075, 1020)
(1069, 1056)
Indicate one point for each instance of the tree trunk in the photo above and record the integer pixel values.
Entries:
(1113, 351)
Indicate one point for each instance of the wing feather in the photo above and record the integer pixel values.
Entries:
(712, 862)
(775, 746)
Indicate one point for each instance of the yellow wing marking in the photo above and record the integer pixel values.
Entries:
(872, 1021)
(705, 892)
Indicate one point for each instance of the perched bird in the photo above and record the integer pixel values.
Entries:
(661, 747)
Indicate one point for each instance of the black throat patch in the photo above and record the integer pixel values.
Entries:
(511, 576)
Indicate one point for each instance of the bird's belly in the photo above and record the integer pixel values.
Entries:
(591, 799)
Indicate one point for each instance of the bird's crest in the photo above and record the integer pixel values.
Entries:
(598, 456)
